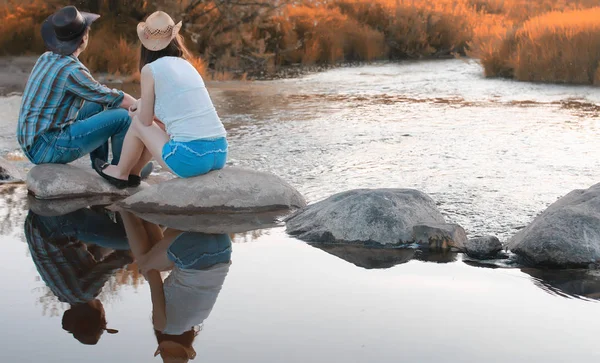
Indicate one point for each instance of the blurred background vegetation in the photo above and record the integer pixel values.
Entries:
(530, 40)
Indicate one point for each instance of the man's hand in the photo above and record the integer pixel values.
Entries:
(128, 101)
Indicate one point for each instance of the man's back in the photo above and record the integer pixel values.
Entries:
(54, 94)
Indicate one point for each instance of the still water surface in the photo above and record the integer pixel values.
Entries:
(492, 153)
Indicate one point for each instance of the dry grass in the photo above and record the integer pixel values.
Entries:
(534, 40)
(559, 47)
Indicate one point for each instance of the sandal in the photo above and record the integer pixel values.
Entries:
(100, 165)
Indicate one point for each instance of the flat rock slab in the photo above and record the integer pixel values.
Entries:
(483, 247)
(442, 236)
(376, 216)
(57, 181)
(230, 190)
(565, 234)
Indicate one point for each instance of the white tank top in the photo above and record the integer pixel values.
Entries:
(182, 101)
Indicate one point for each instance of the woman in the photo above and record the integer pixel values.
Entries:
(193, 140)
(198, 263)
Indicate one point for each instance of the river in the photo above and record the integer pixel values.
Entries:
(492, 153)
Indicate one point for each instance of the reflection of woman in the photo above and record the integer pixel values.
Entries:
(199, 264)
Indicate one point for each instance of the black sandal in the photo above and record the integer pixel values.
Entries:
(100, 165)
(134, 181)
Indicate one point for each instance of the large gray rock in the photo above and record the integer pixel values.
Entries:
(380, 216)
(440, 236)
(567, 233)
(230, 190)
(56, 181)
(483, 247)
(9, 173)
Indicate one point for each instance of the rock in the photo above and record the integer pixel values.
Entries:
(59, 207)
(483, 247)
(565, 234)
(379, 216)
(230, 190)
(215, 223)
(57, 181)
(9, 173)
(441, 235)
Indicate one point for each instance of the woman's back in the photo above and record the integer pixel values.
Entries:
(182, 101)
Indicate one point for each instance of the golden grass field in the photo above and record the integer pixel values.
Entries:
(543, 41)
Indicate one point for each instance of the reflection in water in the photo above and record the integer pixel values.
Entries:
(76, 255)
(199, 264)
(380, 258)
(567, 283)
(82, 255)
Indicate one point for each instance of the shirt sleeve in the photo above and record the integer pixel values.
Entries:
(82, 84)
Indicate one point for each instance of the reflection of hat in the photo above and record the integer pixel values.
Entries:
(62, 31)
(158, 31)
(173, 352)
(86, 322)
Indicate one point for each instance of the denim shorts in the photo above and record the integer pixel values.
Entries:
(193, 158)
(199, 251)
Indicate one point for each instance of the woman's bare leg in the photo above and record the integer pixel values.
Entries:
(139, 136)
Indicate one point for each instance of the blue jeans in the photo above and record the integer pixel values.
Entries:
(199, 251)
(86, 225)
(88, 135)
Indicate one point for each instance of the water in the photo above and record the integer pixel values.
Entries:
(492, 153)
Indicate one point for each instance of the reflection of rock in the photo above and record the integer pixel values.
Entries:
(567, 233)
(436, 256)
(440, 236)
(9, 173)
(380, 258)
(382, 216)
(231, 190)
(59, 207)
(215, 223)
(483, 247)
(577, 283)
(56, 181)
(369, 257)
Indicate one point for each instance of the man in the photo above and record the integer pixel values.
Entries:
(65, 113)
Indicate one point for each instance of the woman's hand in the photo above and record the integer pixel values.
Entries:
(134, 110)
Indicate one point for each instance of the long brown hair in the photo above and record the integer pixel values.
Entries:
(176, 48)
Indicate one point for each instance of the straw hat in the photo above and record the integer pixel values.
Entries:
(158, 31)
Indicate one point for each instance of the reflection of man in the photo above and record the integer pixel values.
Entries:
(74, 271)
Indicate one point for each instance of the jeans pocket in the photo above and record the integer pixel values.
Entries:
(64, 152)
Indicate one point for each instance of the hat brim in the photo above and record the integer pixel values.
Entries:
(156, 44)
(64, 47)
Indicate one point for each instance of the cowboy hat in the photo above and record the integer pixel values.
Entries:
(157, 32)
(62, 31)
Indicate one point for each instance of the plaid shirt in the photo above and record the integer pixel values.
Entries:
(65, 265)
(55, 92)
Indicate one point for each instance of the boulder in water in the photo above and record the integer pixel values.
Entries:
(483, 247)
(364, 216)
(9, 172)
(565, 234)
(57, 181)
(440, 236)
(230, 190)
